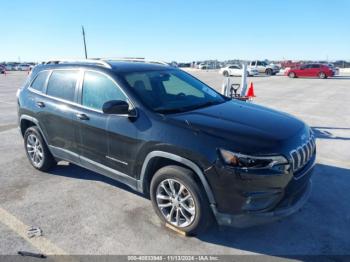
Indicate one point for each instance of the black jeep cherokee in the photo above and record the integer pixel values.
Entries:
(197, 154)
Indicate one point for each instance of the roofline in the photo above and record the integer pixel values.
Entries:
(131, 59)
(104, 62)
(82, 61)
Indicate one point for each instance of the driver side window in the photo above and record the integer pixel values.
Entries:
(98, 89)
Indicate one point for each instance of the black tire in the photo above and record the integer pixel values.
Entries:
(202, 217)
(47, 160)
(291, 75)
(322, 75)
(268, 72)
(226, 74)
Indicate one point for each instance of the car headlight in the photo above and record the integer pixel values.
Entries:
(246, 161)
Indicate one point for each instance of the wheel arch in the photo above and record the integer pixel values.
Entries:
(292, 71)
(158, 159)
(27, 121)
(269, 69)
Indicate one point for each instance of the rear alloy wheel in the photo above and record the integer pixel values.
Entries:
(179, 200)
(225, 74)
(268, 72)
(322, 75)
(36, 150)
(291, 75)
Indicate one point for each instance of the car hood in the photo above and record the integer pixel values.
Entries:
(246, 125)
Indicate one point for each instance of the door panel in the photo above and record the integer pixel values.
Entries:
(57, 122)
(315, 70)
(123, 144)
(57, 109)
(104, 138)
(308, 71)
(93, 135)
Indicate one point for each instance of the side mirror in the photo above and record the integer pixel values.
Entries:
(117, 107)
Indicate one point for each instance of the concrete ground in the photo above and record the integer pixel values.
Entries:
(81, 212)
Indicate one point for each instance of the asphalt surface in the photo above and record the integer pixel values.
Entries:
(81, 212)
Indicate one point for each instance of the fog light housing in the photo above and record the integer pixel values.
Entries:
(257, 201)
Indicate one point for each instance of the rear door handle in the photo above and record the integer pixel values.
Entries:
(82, 116)
(40, 104)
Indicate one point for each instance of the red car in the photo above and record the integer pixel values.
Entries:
(310, 70)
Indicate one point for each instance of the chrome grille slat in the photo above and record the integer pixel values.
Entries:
(299, 157)
(302, 155)
(308, 151)
(310, 146)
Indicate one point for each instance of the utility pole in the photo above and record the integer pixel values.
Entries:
(83, 31)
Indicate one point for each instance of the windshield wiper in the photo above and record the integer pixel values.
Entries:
(187, 108)
(169, 110)
(206, 104)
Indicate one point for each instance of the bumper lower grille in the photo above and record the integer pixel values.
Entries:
(303, 154)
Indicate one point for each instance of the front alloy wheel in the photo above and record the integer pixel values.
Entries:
(322, 75)
(179, 201)
(176, 203)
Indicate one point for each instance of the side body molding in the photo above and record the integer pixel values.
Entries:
(138, 185)
(181, 160)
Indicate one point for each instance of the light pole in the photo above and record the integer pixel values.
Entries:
(83, 31)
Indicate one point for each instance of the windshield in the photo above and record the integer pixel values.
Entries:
(171, 91)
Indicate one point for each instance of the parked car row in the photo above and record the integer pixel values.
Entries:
(18, 66)
(255, 68)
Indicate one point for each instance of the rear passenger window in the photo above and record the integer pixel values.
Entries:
(40, 81)
(62, 84)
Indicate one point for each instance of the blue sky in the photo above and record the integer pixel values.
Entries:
(180, 30)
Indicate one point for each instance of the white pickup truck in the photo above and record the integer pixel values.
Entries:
(264, 67)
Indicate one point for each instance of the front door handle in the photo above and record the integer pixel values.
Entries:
(82, 116)
(40, 104)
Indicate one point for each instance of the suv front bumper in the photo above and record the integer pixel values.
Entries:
(251, 219)
(231, 211)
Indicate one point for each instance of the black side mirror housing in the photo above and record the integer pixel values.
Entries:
(117, 107)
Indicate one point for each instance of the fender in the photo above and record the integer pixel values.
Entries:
(181, 160)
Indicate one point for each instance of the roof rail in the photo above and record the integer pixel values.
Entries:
(142, 60)
(82, 61)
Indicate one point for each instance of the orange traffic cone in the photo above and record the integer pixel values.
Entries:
(250, 93)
